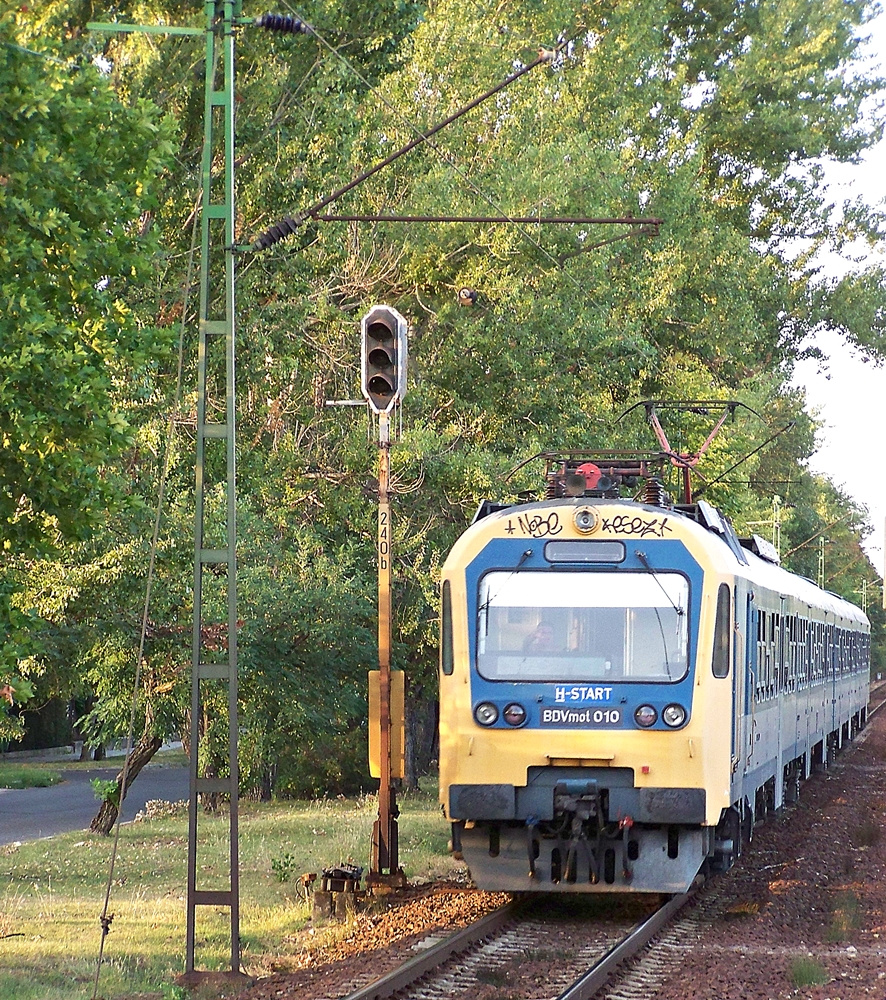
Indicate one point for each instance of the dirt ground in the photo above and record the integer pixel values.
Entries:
(804, 912)
(802, 915)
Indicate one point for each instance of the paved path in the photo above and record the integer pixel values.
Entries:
(32, 813)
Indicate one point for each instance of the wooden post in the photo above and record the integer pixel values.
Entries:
(385, 855)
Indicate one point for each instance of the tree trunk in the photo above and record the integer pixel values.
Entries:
(104, 820)
(421, 738)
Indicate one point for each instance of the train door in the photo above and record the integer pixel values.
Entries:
(739, 659)
(751, 673)
(781, 659)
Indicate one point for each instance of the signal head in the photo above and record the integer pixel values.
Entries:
(383, 358)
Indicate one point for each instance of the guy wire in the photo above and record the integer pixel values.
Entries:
(106, 918)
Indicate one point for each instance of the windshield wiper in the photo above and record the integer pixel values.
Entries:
(642, 557)
(487, 604)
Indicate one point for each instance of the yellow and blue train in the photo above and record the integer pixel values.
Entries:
(625, 686)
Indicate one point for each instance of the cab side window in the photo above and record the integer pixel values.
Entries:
(722, 633)
(447, 660)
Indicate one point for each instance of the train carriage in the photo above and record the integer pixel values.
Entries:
(625, 685)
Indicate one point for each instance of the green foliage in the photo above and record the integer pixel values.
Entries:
(71, 245)
(106, 790)
(847, 917)
(305, 647)
(172, 992)
(284, 867)
(805, 971)
(77, 183)
(714, 118)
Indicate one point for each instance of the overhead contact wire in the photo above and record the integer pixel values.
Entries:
(291, 223)
(271, 237)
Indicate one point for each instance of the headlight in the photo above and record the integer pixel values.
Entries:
(645, 716)
(673, 715)
(486, 713)
(585, 519)
(514, 714)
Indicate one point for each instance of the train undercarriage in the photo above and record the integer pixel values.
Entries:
(582, 830)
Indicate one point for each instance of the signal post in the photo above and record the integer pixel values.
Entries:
(383, 364)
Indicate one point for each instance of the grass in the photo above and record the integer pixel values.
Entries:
(28, 776)
(52, 893)
(806, 971)
(846, 918)
(41, 773)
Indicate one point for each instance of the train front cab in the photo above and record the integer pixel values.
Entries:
(604, 766)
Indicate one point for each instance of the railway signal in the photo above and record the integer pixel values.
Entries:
(383, 358)
(383, 362)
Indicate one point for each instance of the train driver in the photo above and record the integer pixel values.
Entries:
(541, 640)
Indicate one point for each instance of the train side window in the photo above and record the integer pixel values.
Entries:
(722, 633)
(804, 652)
(447, 659)
(762, 655)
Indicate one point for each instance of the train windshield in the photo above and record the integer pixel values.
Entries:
(543, 626)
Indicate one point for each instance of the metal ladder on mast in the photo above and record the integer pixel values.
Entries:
(215, 531)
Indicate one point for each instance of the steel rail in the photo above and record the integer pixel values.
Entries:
(875, 708)
(598, 975)
(412, 970)
(456, 944)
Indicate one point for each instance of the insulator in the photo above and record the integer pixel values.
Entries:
(276, 233)
(654, 493)
(553, 486)
(283, 23)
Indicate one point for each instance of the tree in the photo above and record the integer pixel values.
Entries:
(77, 175)
(713, 117)
(77, 171)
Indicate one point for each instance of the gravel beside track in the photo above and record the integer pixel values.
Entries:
(808, 898)
(377, 940)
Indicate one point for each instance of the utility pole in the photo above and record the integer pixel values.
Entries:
(215, 537)
(215, 546)
(776, 523)
(385, 851)
(214, 665)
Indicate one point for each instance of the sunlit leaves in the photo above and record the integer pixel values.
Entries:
(77, 167)
(712, 116)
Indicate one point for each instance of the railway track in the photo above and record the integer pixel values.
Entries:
(878, 697)
(523, 948)
(643, 977)
(533, 947)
